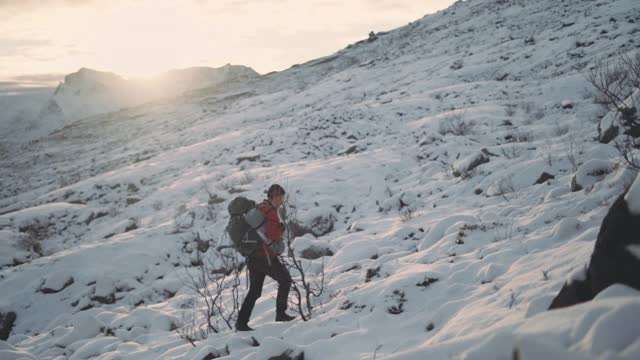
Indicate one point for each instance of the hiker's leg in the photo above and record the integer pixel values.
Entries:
(279, 273)
(256, 280)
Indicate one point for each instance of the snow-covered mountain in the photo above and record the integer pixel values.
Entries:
(89, 92)
(427, 256)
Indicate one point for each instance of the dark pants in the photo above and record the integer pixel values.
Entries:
(258, 269)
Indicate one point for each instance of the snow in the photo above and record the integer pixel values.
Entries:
(426, 264)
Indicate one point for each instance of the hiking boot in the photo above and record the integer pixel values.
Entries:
(284, 317)
(243, 327)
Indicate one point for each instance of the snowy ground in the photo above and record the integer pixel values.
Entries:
(431, 259)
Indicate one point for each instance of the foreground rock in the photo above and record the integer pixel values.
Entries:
(6, 324)
(616, 256)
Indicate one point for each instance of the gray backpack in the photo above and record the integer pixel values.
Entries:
(244, 224)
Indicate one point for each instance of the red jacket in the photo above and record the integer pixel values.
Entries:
(273, 231)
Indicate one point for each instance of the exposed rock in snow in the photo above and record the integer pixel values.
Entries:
(464, 166)
(307, 247)
(56, 283)
(611, 262)
(6, 324)
(273, 348)
(544, 177)
(591, 172)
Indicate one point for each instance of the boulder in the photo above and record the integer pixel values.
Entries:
(6, 324)
(590, 173)
(322, 225)
(56, 283)
(315, 252)
(544, 177)
(615, 258)
(464, 166)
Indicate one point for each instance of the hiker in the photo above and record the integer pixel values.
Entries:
(265, 262)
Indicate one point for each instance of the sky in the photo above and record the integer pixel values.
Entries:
(42, 40)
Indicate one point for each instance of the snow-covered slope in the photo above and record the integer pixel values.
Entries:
(432, 257)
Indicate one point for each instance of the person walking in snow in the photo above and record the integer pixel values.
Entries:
(265, 262)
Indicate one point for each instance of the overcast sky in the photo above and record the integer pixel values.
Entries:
(40, 40)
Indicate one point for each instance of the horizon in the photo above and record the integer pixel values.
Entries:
(41, 49)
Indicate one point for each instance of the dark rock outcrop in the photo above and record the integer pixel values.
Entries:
(314, 252)
(6, 324)
(54, 290)
(544, 177)
(611, 261)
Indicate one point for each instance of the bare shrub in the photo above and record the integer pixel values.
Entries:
(456, 125)
(305, 288)
(157, 205)
(505, 188)
(246, 178)
(32, 237)
(527, 107)
(212, 201)
(615, 81)
(547, 152)
(510, 152)
(214, 277)
(519, 137)
(504, 232)
(406, 215)
(571, 154)
(539, 114)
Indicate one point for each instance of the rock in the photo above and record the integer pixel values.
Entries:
(132, 225)
(132, 200)
(567, 104)
(574, 185)
(104, 292)
(590, 172)
(613, 259)
(247, 158)
(314, 252)
(288, 355)
(109, 299)
(371, 273)
(353, 149)
(544, 177)
(6, 324)
(488, 153)
(322, 225)
(457, 65)
(464, 166)
(572, 292)
(55, 284)
(203, 245)
(132, 188)
(610, 133)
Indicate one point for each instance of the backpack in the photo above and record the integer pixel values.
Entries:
(244, 222)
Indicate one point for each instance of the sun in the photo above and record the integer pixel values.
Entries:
(148, 37)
